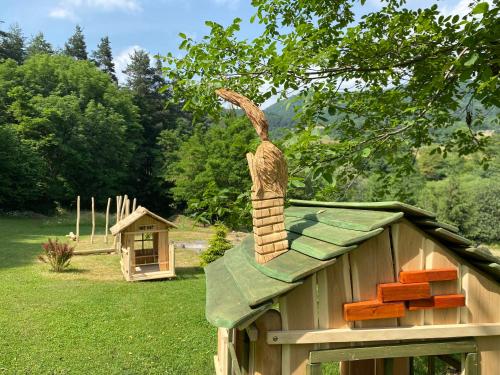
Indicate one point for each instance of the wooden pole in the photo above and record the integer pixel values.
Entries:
(127, 207)
(124, 204)
(134, 204)
(78, 219)
(119, 202)
(107, 221)
(118, 209)
(93, 222)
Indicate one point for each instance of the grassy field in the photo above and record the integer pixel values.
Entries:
(88, 320)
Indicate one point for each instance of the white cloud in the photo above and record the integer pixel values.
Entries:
(462, 8)
(63, 13)
(67, 9)
(231, 4)
(122, 60)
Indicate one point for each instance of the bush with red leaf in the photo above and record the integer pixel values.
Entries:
(57, 254)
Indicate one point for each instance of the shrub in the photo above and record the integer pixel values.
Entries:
(217, 245)
(57, 254)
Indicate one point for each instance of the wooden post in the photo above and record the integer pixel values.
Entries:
(134, 204)
(388, 366)
(106, 229)
(117, 219)
(124, 204)
(78, 219)
(93, 222)
(431, 365)
(266, 359)
(471, 366)
(127, 208)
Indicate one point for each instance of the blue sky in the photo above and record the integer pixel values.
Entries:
(153, 25)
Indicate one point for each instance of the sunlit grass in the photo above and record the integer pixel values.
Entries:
(88, 320)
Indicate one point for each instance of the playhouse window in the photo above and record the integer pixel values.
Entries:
(145, 252)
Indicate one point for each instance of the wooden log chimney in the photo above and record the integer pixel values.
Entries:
(269, 174)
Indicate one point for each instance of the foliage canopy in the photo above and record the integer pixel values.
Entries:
(391, 77)
(69, 130)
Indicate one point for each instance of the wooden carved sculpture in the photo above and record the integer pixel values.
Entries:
(269, 174)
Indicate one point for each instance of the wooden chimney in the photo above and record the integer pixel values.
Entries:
(269, 174)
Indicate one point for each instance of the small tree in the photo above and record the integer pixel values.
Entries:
(57, 254)
(217, 245)
(76, 46)
(103, 58)
(38, 44)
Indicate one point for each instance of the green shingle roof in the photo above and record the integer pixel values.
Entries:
(239, 289)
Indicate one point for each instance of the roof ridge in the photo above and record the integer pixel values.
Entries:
(387, 205)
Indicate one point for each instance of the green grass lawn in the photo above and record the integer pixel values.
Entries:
(88, 320)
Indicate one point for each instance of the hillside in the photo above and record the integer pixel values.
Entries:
(281, 116)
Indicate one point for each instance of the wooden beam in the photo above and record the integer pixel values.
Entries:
(94, 251)
(383, 334)
(403, 292)
(438, 302)
(392, 351)
(368, 310)
(416, 276)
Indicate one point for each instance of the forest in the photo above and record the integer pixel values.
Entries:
(68, 127)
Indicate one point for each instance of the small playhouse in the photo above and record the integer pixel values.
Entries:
(142, 241)
(369, 286)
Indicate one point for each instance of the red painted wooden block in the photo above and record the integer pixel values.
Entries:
(403, 292)
(441, 274)
(367, 310)
(438, 302)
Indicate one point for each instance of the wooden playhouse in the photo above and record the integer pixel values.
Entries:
(370, 286)
(142, 241)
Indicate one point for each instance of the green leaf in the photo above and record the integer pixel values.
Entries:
(471, 60)
(297, 184)
(182, 35)
(366, 152)
(480, 8)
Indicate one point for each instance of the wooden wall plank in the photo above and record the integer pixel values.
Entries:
(334, 290)
(371, 264)
(482, 301)
(408, 248)
(267, 358)
(298, 311)
(163, 251)
(437, 256)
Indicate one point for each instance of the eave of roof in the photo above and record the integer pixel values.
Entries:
(136, 215)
